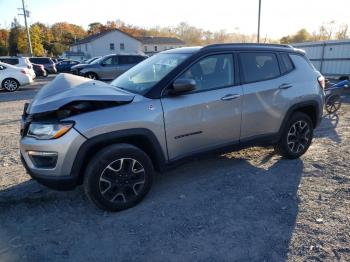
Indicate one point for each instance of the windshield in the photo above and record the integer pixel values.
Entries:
(89, 61)
(96, 61)
(142, 77)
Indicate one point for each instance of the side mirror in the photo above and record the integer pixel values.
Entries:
(182, 85)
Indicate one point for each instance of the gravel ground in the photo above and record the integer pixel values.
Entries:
(249, 205)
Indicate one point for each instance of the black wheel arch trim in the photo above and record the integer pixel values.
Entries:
(297, 107)
(130, 136)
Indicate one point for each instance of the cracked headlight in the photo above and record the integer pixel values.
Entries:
(49, 131)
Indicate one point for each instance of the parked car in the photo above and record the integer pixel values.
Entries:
(12, 77)
(66, 65)
(76, 68)
(173, 105)
(39, 70)
(22, 62)
(90, 60)
(108, 67)
(47, 62)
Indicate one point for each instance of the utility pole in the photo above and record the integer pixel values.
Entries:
(26, 14)
(258, 37)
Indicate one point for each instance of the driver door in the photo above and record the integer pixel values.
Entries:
(209, 116)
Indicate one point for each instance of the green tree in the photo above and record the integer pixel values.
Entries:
(95, 28)
(301, 36)
(37, 40)
(57, 49)
(13, 37)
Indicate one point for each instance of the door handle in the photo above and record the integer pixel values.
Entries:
(230, 97)
(285, 86)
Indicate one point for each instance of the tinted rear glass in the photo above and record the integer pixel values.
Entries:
(10, 61)
(40, 60)
(259, 66)
(287, 64)
(129, 59)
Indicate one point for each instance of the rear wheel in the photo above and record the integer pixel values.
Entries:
(118, 177)
(296, 137)
(91, 75)
(10, 84)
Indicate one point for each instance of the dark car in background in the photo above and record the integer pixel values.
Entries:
(47, 62)
(66, 65)
(108, 67)
(39, 70)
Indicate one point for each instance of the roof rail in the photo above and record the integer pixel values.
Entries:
(247, 44)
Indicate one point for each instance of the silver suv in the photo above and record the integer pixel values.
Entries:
(176, 104)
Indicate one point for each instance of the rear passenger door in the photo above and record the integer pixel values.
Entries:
(125, 62)
(267, 88)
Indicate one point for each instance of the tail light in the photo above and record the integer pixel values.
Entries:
(322, 82)
(29, 66)
(23, 71)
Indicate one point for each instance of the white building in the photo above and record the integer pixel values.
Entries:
(153, 44)
(116, 41)
(107, 42)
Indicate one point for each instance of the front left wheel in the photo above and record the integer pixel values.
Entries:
(118, 177)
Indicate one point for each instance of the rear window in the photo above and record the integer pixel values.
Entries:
(10, 61)
(40, 60)
(129, 59)
(259, 66)
(286, 63)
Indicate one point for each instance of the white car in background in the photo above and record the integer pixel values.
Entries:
(12, 77)
(22, 62)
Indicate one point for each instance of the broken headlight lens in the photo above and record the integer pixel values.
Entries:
(49, 131)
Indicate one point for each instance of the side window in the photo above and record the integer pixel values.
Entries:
(287, 64)
(112, 60)
(10, 61)
(123, 60)
(212, 72)
(259, 66)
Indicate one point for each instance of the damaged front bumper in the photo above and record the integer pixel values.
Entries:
(50, 162)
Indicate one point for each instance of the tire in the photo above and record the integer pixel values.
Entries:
(10, 84)
(296, 136)
(118, 177)
(91, 75)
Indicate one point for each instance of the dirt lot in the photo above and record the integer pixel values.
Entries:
(244, 206)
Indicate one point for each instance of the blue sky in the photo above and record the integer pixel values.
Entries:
(279, 17)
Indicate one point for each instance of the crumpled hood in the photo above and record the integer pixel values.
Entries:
(67, 88)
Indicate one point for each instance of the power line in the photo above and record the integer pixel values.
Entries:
(26, 14)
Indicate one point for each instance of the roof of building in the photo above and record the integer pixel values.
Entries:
(96, 36)
(160, 40)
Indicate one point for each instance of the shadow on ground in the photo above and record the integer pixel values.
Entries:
(213, 209)
(327, 129)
